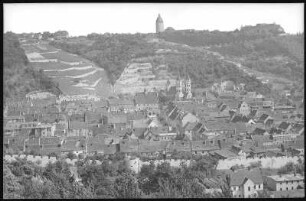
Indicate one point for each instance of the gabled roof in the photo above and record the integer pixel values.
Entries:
(263, 117)
(238, 177)
(297, 127)
(258, 131)
(197, 127)
(116, 119)
(76, 125)
(141, 123)
(284, 125)
(190, 125)
(202, 146)
(174, 114)
(150, 98)
(151, 146)
(50, 140)
(225, 153)
(119, 101)
(252, 113)
(129, 146)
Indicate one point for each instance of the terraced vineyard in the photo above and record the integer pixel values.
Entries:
(75, 75)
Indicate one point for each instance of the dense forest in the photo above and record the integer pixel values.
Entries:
(111, 179)
(19, 77)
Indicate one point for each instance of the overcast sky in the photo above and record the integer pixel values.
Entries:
(82, 19)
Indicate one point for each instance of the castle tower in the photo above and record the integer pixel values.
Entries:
(188, 88)
(159, 24)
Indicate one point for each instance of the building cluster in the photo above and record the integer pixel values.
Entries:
(237, 125)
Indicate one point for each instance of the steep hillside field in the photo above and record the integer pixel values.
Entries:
(75, 75)
(19, 76)
(118, 52)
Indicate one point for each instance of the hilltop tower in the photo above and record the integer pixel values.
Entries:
(159, 24)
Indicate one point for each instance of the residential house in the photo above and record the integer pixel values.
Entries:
(97, 145)
(152, 148)
(121, 105)
(263, 141)
(202, 147)
(223, 154)
(147, 101)
(75, 145)
(161, 134)
(178, 146)
(285, 182)
(284, 127)
(93, 118)
(50, 145)
(78, 128)
(118, 121)
(246, 183)
(297, 128)
(129, 147)
(259, 131)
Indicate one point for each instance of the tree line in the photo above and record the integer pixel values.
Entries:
(111, 179)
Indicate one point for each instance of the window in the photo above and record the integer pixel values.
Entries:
(280, 189)
(249, 188)
(254, 186)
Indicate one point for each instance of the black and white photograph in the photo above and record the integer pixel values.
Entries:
(153, 100)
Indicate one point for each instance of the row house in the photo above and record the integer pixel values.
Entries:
(38, 129)
(14, 119)
(203, 147)
(118, 121)
(77, 128)
(285, 182)
(98, 145)
(121, 105)
(151, 149)
(147, 101)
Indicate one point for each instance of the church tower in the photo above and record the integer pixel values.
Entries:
(188, 88)
(159, 24)
(180, 88)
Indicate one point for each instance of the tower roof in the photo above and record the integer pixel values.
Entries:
(159, 19)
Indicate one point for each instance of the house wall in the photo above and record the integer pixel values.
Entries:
(287, 185)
